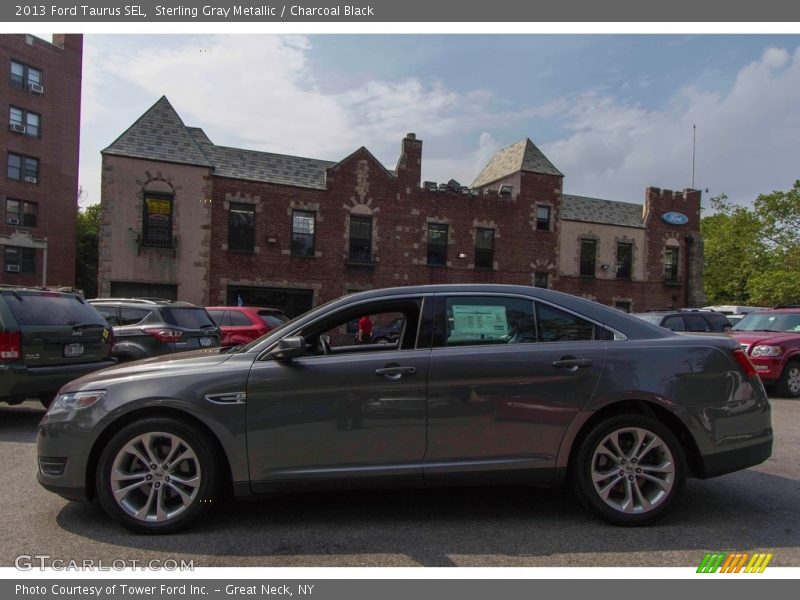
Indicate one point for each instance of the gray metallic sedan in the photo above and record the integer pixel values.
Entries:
(485, 384)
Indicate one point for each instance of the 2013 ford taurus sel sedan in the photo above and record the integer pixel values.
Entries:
(484, 384)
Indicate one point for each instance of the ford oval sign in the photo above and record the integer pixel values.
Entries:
(675, 218)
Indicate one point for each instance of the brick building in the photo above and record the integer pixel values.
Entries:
(185, 218)
(39, 193)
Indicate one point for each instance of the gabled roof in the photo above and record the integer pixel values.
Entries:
(521, 156)
(595, 210)
(159, 134)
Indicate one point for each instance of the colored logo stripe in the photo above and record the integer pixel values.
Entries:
(733, 563)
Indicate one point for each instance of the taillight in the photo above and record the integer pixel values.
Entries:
(165, 335)
(744, 362)
(10, 346)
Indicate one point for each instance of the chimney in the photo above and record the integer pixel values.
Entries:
(409, 167)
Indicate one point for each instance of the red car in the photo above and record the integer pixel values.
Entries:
(242, 324)
(771, 339)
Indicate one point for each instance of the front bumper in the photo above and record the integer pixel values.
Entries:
(768, 369)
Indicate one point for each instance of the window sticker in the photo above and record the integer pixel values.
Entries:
(478, 322)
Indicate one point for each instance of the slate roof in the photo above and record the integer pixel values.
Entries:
(521, 156)
(160, 134)
(595, 210)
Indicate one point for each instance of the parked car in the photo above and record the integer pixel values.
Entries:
(730, 309)
(688, 319)
(388, 334)
(771, 339)
(47, 338)
(152, 327)
(242, 324)
(517, 384)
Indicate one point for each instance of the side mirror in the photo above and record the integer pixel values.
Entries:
(289, 348)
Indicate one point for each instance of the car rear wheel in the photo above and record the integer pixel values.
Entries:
(630, 470)
(788, 385)
(158, 475)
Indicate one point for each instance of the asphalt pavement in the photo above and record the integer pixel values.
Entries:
(750, 511)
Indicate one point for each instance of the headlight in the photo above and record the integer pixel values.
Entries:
(766, 351)
(75, 401)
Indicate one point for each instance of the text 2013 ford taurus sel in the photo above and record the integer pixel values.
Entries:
(485, 383)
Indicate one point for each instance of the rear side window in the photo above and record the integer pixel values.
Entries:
(110, 314)
(560, 326)
(217, 316)
(476, 320)
(696, 323)
(47, 310)
(187, 318)
(131, 316)
(674, 323)
(239, 319)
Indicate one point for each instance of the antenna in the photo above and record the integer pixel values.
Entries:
(694, 145)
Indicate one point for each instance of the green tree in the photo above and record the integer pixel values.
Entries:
(734, 252)
(87, 253)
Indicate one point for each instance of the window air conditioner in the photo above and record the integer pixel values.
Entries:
(12, 268)
(35, 88)
(16, 127)
(30, 179)
(12, 221)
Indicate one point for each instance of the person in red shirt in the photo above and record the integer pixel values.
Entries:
(364, 330)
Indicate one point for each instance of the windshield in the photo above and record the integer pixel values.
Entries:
(769, 321)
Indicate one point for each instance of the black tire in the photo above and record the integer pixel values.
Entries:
(788, 385)
(619, 487)
(187, 507)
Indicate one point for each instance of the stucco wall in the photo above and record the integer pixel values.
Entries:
(607, 235)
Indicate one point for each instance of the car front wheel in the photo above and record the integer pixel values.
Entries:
(157, 475)
(630, 470)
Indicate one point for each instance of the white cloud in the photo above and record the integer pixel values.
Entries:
(746, 137)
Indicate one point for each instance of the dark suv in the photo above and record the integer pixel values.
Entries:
(48, 338)
(151, 327)
(688, 319)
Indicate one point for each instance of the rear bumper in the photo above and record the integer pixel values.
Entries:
(737, 459)
(20, 381)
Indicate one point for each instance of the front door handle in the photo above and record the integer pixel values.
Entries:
(395, 372)
(572, 364)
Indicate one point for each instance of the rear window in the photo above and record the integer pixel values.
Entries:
(188, 318)
(49, 310)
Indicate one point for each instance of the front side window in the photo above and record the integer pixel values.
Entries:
(671, 264)
(543, 218)
(303, 222)
(360, 239)
(484, 248)
(19, 212)
(624, 260)
(157, 222)
(479, 320)
(20, 260)
(437, 244)
(242, 227)
(588, 257)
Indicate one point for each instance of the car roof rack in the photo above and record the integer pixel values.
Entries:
(43, 288)
(785, 306)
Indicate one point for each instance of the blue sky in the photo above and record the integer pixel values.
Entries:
(613, 112)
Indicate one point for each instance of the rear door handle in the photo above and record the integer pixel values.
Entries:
(395, 372)
(573, 364)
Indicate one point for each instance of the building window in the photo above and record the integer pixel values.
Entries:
(543, 218)
(157, 222)
(623, 305)
(437, 244)
(540, 279)
(671, 264)
(484, 248)
(25, 77)
(624, 260)
(242, 227)
(20, 260)
(23, 168)
(360, 239)
(303, 233)
(588, 257)
(19, 212)
(23, 121)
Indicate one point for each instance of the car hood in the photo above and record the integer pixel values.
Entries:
(755, 337)
(195, 360)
